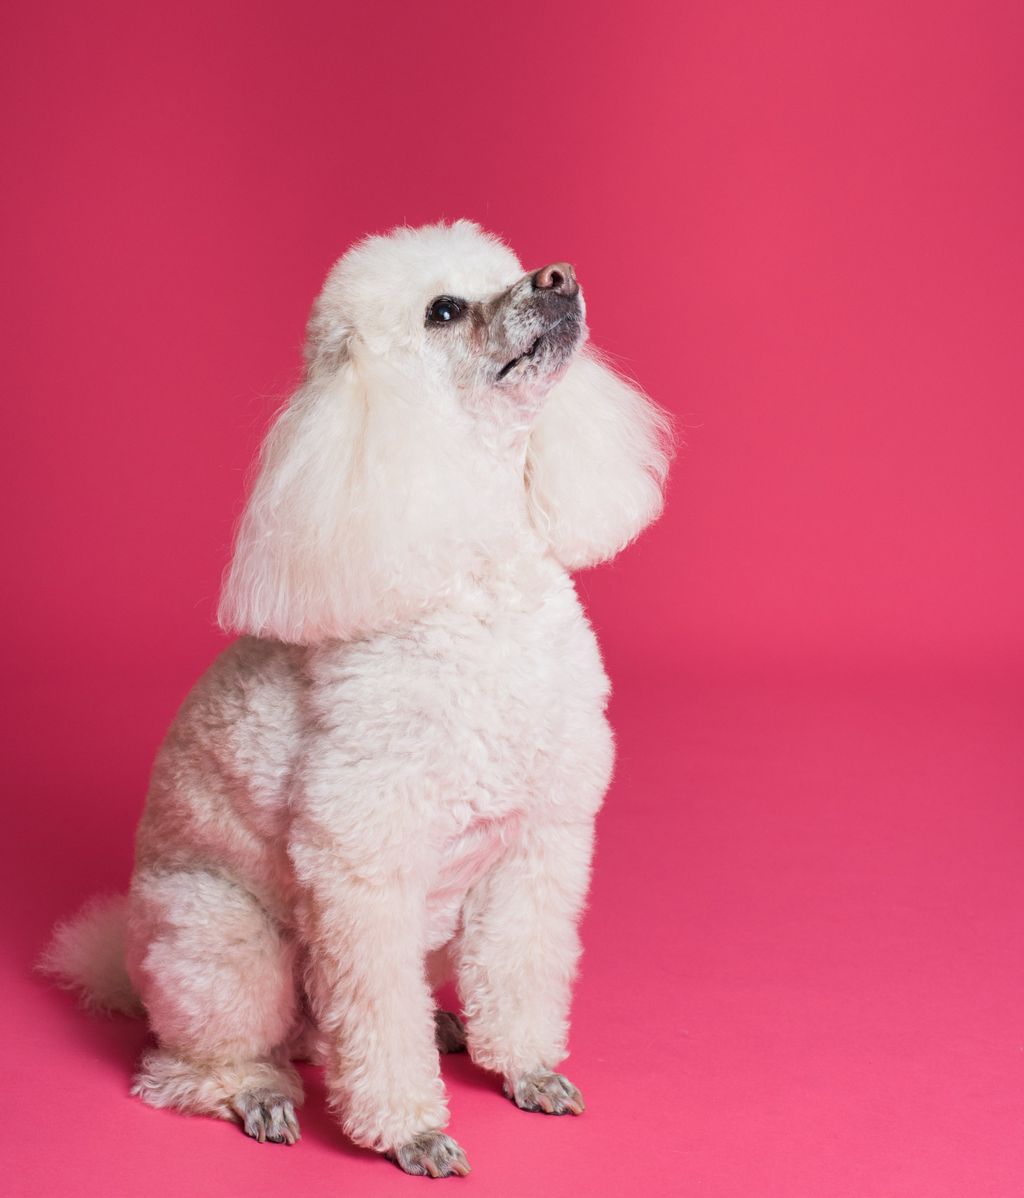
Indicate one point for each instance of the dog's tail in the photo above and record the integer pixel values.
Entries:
(86, 954)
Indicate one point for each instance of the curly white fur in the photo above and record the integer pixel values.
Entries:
(396, 768)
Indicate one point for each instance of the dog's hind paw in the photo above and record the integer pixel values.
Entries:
(266, 1116)
(449, 1032)
(431, 1154)
(545, 1091)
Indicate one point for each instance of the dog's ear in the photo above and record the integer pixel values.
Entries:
(364, 508)
(596, 465)
(281, 582)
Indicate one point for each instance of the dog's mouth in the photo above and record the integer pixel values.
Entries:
(561, 338)
(530, 353)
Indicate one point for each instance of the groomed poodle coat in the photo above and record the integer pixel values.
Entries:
(393, 774)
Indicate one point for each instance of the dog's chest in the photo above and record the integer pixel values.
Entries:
(510, 686)
(463, 728)
(473, 707)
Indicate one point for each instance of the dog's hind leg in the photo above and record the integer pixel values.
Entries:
(217, 977)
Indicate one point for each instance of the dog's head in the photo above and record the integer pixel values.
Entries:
(452, 309)
(448, 418)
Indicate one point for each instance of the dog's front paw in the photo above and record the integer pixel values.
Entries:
(545, 1091)
(431, 1154)
(266, 1116)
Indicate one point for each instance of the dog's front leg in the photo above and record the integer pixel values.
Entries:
(364, 931)
(517, 958)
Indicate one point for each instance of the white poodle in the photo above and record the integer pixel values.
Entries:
(393, 774)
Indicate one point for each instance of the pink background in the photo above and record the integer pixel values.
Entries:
(800, 226)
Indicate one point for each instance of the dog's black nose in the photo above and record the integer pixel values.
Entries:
(559, 277)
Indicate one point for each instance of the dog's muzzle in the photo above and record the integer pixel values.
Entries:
(551, 313)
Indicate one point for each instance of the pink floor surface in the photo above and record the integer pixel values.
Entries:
(803, 971)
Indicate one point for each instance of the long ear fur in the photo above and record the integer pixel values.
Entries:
(365, 509)
(596, 464)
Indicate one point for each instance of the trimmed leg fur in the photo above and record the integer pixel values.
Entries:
(260, 1095)
(216, 974)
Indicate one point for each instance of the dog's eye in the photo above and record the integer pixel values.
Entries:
(444, 310)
